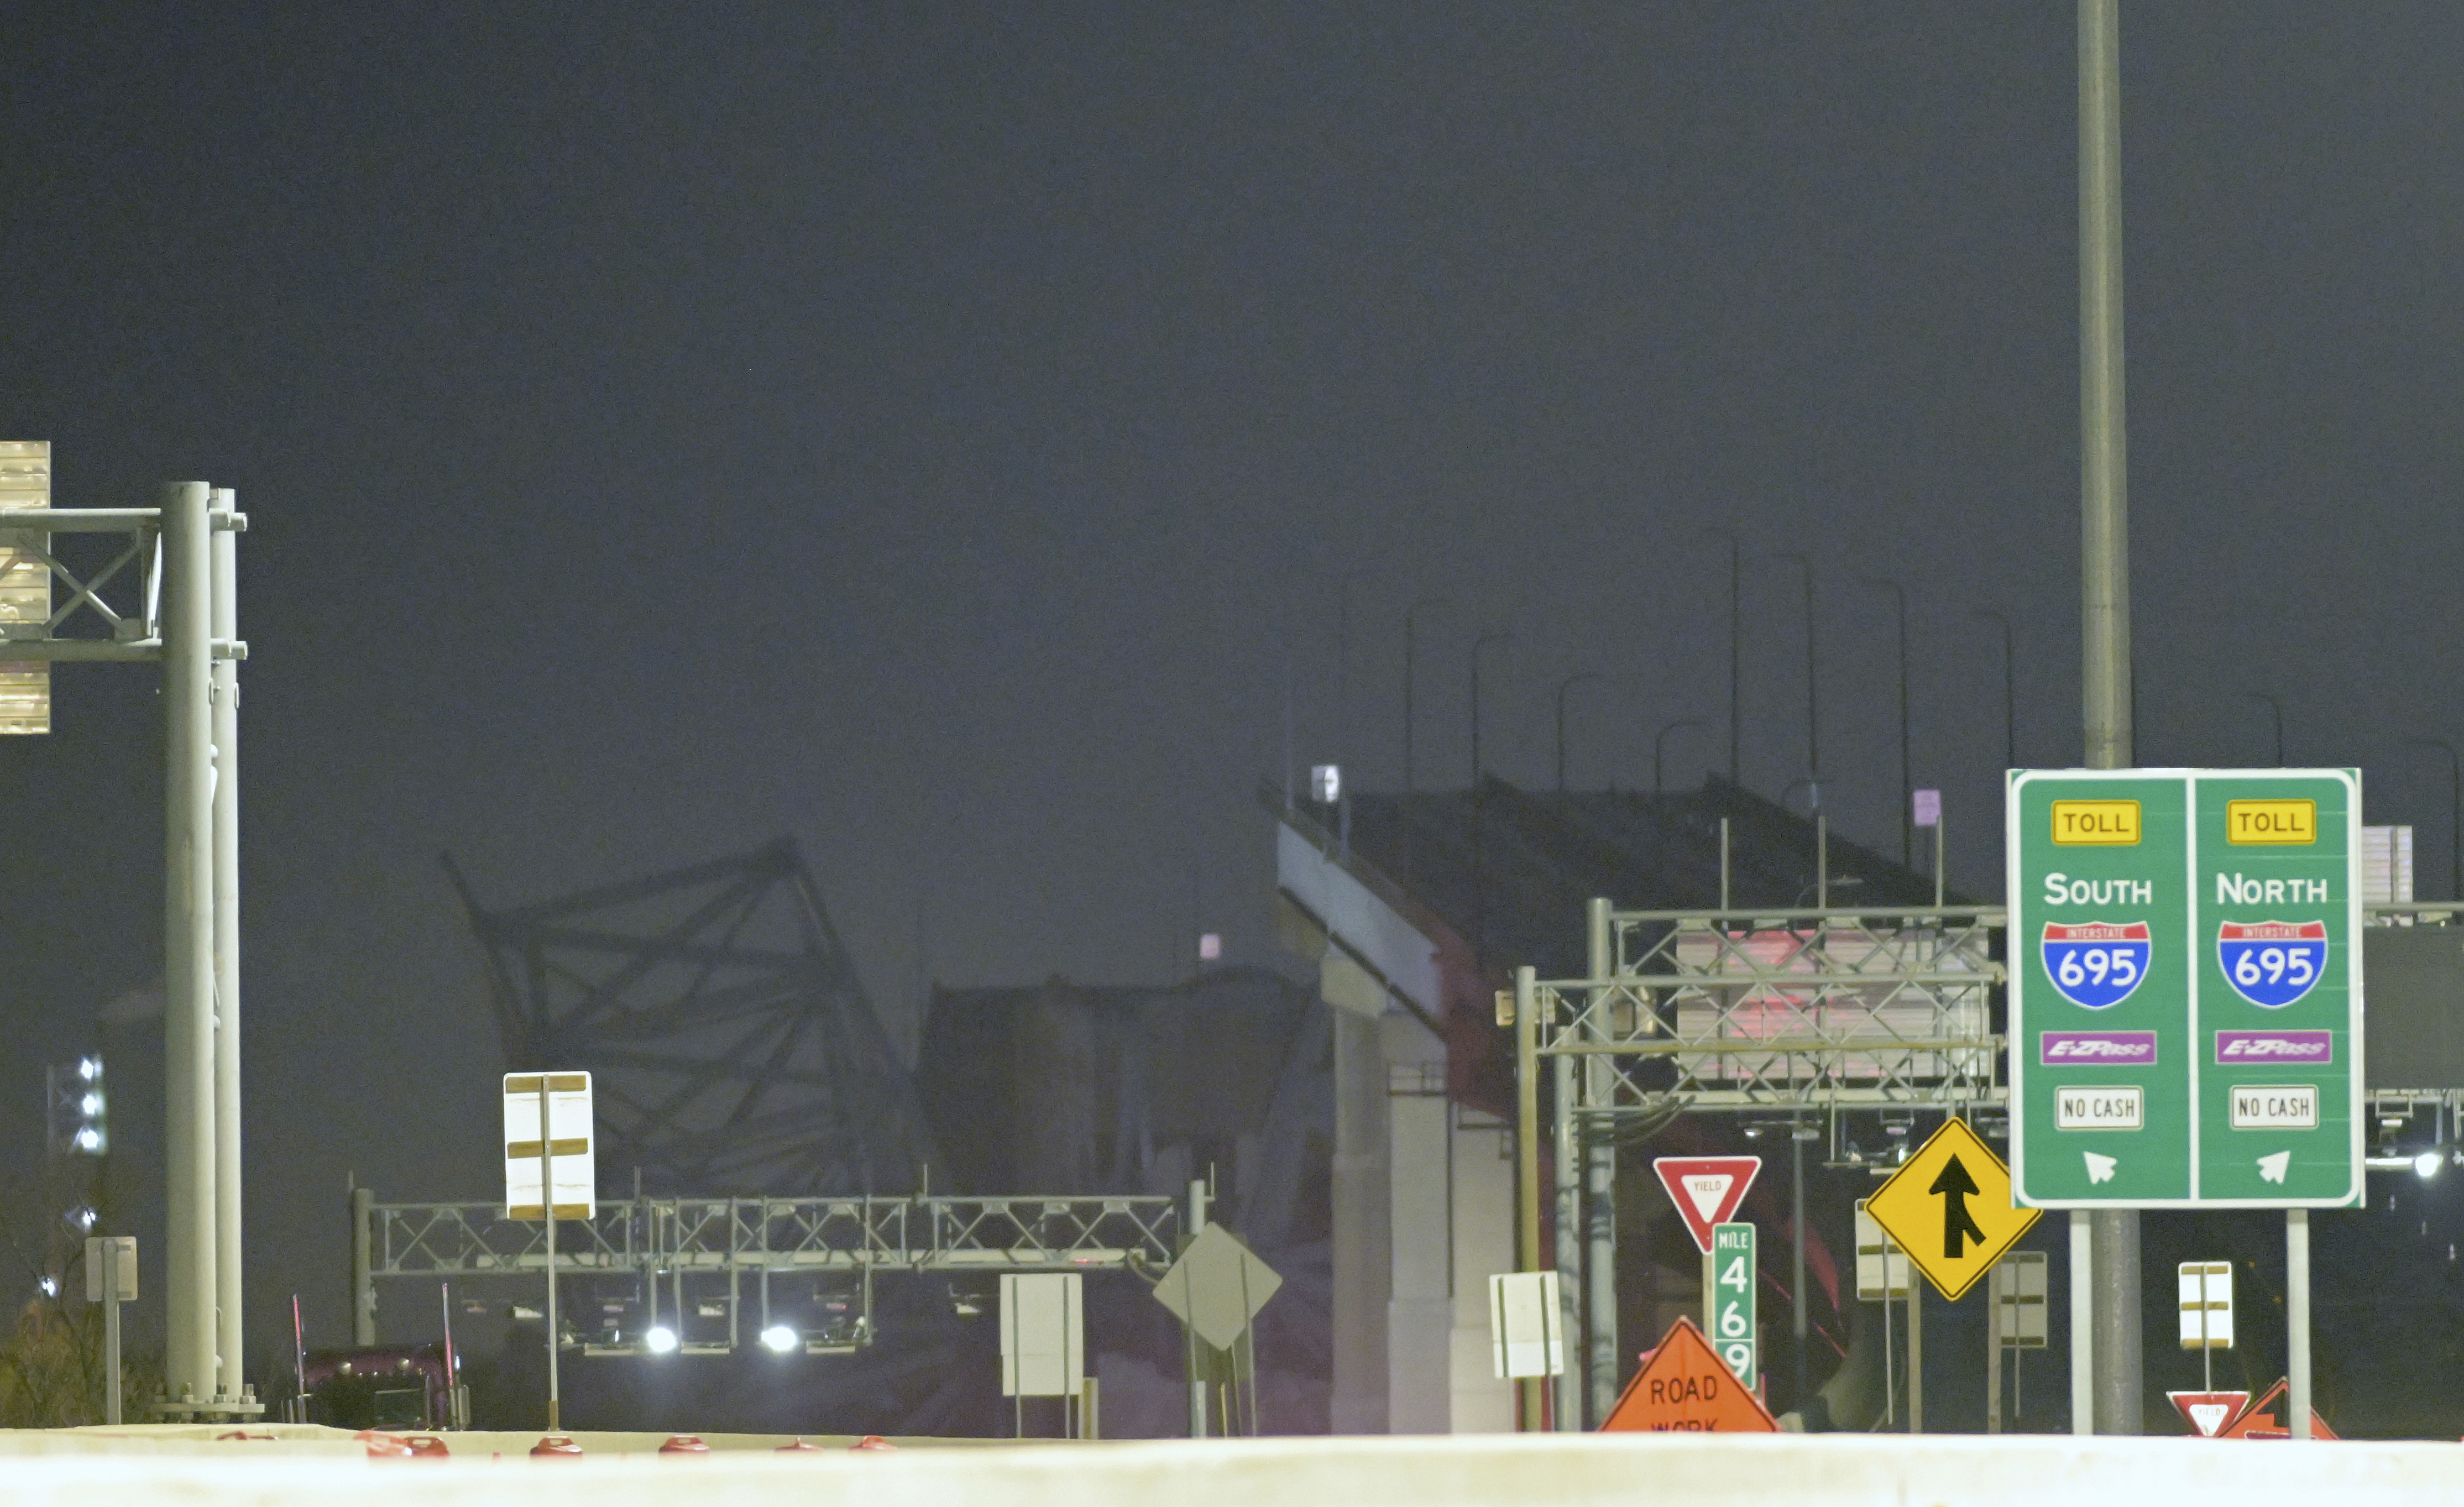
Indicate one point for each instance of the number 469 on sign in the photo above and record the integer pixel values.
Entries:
(1732, 1300)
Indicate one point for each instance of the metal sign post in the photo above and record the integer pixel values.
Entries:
(110, 1279)
(549, 1178)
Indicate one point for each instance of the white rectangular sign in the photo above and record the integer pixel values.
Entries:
(1527, 1336)
(1043, 1334)
(565, 1126)
(1873, 1260)
(2022, 1291)
(118, 1254)
(2207, 1306)
(2276, 1107)
(2098, 1109)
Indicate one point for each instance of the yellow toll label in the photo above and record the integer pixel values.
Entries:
(2100, 823)
(2289, 821)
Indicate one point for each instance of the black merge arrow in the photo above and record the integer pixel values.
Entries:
(1954, 1184)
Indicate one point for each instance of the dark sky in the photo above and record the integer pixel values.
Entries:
(933, 432)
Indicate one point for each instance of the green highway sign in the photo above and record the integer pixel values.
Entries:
(1732, 1300)
(2186, 987)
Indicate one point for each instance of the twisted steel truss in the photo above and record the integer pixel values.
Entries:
(731, 1046)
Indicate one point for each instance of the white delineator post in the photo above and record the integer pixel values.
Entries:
(189, 1367)
(230, 1337)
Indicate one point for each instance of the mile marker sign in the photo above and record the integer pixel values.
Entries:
(2186, 987)
(1707, 1189)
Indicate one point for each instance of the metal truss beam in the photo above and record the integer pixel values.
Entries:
(1784, 1009)
(653, 1237)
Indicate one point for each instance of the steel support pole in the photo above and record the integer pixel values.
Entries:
(2105, 583)
(364, 1284)
(188, 1368)
(1600, 1359)
(2297, 1319)
(1916, 1351)
(1531, 1392)
(1994, 1348)
(1797, 1297)
(1567, 1408)
(228, 1291)
(1197, 1429)
(111, 1332)
(2082, 1331)
(548, 1210)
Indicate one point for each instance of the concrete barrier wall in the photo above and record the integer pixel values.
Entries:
(1461, 1471)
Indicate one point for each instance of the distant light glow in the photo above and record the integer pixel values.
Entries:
(660, 1340)
(1325, 783)
(780, 1339)
(90, 1068)
(1210, 947)
(50, 1286)
(2426, 1166)
(89, 1139)
(90, 1106)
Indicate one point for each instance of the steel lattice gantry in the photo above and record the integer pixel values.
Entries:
(1788, 1013)
(731, 1046)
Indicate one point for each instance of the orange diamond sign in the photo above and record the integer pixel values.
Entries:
(1686, 1387)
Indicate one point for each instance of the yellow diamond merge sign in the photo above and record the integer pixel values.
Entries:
(1949, 1209)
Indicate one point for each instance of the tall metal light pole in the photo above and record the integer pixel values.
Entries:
(1578, 678)
(2275, 708)
(1813, 705)
(1735, 639)
(229, 1247)
(2010, 689)
(2107, 1390)
(1659, 749)
(1907, 789)
(2454, 813)
(1476, 644)
(1410, 664)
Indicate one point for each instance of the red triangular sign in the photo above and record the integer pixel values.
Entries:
(2256, 1422)
(2210, 1413)
(1686, 1387)
(1707, 1189)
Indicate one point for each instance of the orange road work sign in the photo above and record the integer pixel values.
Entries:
(1684, 1387)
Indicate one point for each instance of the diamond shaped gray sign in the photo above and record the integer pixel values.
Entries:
(1217, 1286)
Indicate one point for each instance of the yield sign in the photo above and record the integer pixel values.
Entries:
(1685, 1387)
(2209, 1413)
(1949, 1209)
(1707, 1189)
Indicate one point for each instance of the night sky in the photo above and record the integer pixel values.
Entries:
(948, 434)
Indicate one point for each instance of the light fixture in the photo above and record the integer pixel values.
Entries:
(50, 1286)
(89, 1068)
(659, 1340)
(2426, 1166)
(779, 1338)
